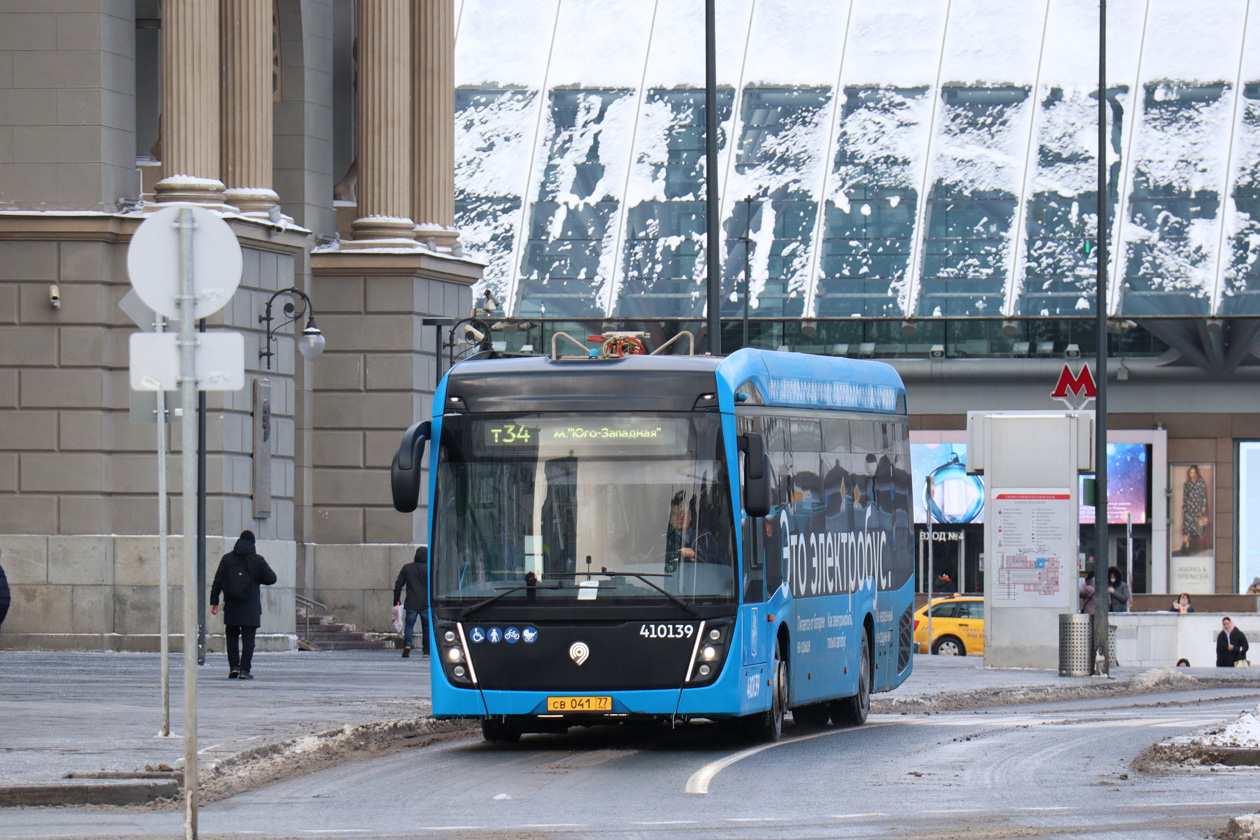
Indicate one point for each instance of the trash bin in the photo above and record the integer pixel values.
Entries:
(1076, 640)
(1075, 643)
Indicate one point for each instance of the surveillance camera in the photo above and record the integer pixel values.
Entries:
(472, 335)
(54, 296)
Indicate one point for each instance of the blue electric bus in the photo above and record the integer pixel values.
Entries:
(665, 537)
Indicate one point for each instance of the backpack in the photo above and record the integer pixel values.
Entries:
(238, 582)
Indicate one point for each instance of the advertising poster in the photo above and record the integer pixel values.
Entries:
(1192, 512)
(1126, 485)
(1248, 516)
(957, 498)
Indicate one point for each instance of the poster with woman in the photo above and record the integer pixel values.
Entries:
(1193, 512)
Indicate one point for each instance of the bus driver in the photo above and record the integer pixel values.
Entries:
(682, 540)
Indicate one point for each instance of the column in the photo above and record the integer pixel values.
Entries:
(384, 130)
(433, 123)
(190, 103)
(247, 105)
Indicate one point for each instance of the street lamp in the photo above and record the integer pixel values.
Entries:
(310, 343)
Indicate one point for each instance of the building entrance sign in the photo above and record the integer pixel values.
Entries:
(1080, 386)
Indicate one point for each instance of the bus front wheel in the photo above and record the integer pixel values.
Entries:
(768, 725)
(853, 710)
(500, 730)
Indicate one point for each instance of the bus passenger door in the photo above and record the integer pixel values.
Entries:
(753, 610)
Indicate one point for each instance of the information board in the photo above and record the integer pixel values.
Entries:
(1034, 543)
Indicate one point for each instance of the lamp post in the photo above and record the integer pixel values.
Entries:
(1101, 550)
(310, 343)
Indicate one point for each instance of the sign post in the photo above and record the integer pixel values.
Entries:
(198, 250)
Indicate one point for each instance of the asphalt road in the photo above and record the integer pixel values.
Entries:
(1051, 770)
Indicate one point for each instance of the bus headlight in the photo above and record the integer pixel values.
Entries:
(710, 652)
(453, 657)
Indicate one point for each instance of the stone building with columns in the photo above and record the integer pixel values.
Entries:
(263, 111)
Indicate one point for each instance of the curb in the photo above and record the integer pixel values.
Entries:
(88, 792)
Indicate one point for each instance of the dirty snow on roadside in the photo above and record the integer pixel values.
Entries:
(1244, 732)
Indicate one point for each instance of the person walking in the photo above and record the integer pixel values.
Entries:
(1231, 644)
(1117, 591)
(5, 597)
(415, 577)
(240, 573)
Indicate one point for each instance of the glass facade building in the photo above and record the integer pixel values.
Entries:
(915, 160)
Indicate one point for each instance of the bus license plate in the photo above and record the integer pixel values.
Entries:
(579, 704)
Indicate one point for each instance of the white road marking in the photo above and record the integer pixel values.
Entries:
(699, 781)
(955, 811)
(857, 816)
(553, 825)
(752, 819)
(1050, 808)
(1246, 803)
(335, 831)
(666, 822)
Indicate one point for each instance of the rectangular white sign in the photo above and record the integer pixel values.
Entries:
(219, 361)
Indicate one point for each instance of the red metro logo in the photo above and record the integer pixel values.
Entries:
(1080, 385)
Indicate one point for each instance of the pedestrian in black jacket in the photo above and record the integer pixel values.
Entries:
(415, 576)
(4, 595)
(1231, 644)
(240, 574)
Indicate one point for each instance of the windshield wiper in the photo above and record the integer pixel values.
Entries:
(603, 570)
(475, 607)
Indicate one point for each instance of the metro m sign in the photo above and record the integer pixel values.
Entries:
(1081, 386)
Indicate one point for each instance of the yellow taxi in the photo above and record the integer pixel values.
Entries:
(957, 626)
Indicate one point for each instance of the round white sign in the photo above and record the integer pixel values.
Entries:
(153, 261)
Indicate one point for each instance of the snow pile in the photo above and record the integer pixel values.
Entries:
(1157, 677)
(1244, 732)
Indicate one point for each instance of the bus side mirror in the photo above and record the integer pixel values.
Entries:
(756, 474)
(404, 473)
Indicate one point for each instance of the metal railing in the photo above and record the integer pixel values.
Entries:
(307, 605)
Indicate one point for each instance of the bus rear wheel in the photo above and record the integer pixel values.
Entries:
(500, 730)
(853, 711)
(767, 726)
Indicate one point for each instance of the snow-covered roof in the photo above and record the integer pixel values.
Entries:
(906, 158)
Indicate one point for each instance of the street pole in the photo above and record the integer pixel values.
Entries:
(1128, 553)
(747, 246)
(188, 391)
(201, 520)
(1101, 604)
(711, 179)
(931, 489)
(164, 596)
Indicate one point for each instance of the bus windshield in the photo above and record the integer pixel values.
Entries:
(566, 496)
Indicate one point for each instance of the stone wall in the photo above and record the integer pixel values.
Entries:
(96, 592)
(355, 582)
